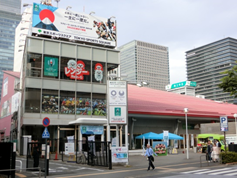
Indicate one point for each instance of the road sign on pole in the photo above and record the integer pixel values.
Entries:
(46, 133)
(46, 122)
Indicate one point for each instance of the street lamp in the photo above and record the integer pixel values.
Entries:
(235, 116)
(187, 137)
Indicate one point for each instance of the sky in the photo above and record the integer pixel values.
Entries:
(180, 25)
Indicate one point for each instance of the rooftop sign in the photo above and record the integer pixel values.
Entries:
(181, 84)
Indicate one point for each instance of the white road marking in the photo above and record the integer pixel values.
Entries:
(232, 174)
(215, 170)
(218, 172)
(195, 171)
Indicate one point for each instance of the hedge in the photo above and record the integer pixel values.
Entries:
(228, 157)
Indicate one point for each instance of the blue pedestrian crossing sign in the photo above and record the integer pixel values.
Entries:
(45, 134)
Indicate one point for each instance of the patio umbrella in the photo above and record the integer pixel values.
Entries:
(149, 135)
(171, 136)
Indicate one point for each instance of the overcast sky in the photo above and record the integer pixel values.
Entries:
(181, 25)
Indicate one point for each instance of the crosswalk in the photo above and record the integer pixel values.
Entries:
(230, 171)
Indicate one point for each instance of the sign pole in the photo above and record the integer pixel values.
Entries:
(225, 141)
(45, 163)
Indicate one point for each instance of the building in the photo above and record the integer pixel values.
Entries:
(183, 88)
(9, 105)
(143, 61)
(205, 63)
(10, 16)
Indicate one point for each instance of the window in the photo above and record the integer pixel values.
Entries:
(67, 102)
(99, 104)
(50, 101)
(99, 72)
(33, 67)
(51, 66)
(32, 100)
(83, 104)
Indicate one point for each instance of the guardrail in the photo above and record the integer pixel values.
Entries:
(20, 164)
(201, 160)
(4, 170)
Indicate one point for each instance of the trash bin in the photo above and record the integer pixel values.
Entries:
(195, 149)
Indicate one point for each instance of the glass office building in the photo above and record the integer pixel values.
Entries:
(9, 19)
(205, 63)
(143, 61)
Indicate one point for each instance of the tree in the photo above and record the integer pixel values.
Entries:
(229, 82)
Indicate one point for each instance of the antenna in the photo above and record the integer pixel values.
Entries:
(57, 2)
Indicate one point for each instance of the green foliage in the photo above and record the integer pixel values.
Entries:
(229, 82)
(228, 157)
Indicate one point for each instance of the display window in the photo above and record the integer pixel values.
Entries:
(50, 101)
(99, 72)
(67, 102)
(51, 67)
(32, 100)
(83, 103)
(33, 66)
(98, 104)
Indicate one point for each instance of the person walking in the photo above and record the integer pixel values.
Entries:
(149, 153)
(215, 153)
(209, 150)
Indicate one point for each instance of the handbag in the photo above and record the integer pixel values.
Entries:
(152, 158)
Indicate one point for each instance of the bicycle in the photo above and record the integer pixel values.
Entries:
(81, 158)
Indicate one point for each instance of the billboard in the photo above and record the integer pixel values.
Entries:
(53, 21)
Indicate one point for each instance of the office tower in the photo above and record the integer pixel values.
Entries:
(205, 63)
(9, 18)
(143, 61)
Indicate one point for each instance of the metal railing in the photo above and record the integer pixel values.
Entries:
(4, 170)
(207, 159)
(201, 160)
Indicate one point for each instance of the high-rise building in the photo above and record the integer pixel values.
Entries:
(205, 63)
(148, 62)
(10, 16)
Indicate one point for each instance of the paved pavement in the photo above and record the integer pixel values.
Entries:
(166, 166)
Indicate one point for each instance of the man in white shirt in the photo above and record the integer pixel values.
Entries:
(149, 153)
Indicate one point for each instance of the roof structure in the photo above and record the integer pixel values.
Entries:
(14, 74)
(162, 103)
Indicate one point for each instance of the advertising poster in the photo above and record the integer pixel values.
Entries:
(118, 114)
(5, 87)
(117, 96)
(92, 130)
(119, 154)
(160, 148)
(62, 23)
(69, 149)
(51, 66)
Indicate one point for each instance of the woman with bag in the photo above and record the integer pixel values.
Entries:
(215, 153)
(149, 153)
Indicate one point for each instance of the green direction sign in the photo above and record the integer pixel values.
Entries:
(50, 66)
(182, 84)
(117, 111)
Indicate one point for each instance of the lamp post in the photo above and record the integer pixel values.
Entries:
(235, 116)
(187, 137)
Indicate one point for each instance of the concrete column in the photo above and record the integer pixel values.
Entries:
(79, 138)
(108, 133)
(58, 140)
(117, 136)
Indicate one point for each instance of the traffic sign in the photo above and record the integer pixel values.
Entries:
(46, 122)
(45, 134)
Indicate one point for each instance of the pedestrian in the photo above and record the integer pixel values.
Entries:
(209, 151)
(36, 155)
(149, 153)
(218, 145)
(215, 153)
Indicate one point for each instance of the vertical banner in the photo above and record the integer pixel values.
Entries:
(176, 143)
(192, 140)
(51, 66)
(224, 123)
(166, 137)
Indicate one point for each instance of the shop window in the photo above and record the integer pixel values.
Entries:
(67, 102)
(83, 104)
(99, 72)
(50, 101)
(72, 69)
(33, 66)
(98, 104)
(32, 100)
(51, 66)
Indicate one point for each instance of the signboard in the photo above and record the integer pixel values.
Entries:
(53, 21)
(46, 133)
(175, 143)
(117, 96)
(119, 154)
(46, 122)
(5, 87)
(51, 66)
(166, 137)
(224, 123)
(113, 143)
(118, 114)
(181, 84)
(92, 130)
(70, 139)
(117, 84)
(69, 149)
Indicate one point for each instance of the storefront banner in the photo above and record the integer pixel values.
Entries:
(224, 123)
(119, 154)
(69, 149)
(52, 21)
(166, 137)
(5, 87)
(70, 139)
(117, 96)
(118, 114)
(51, 66)
(92, 130)
(15, 102)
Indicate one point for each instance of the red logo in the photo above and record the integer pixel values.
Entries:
(47, 16)
(76, 70)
